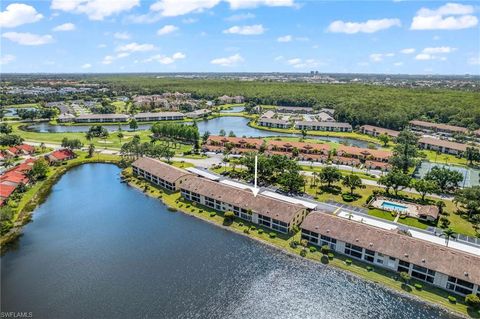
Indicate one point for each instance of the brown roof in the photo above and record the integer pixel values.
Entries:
(323, 124)
(160, 169)
(428, 210)
(380, 130)
(443, 259)
(440, 126)
(235, 140)
(158, 114)
(245, 199)
(360, 151)
(443, 143)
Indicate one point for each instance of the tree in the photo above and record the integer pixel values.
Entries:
(10, 140)
(5, 128)
(291, 180)
(229, 216)
(205, 136)
(231, 134)
(120, 136)
(472, 301)
(384, 138)
(222, 132)
(405, 277)
(424, 187)
(446, 179)
(72, 143)
(405, 151)
(472, 154)
(329, 175)
(39, 169)
(91, 150)
(469, 200)
(395, 180)
(352, 181)
(133, 124)
(304, 133)
(448, 233)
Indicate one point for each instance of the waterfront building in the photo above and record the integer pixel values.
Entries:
(323, 126)
(59, 156)
(101, 118)
(439, 265)
(159, 173)
(22, 149)
(266, 211)
(199, 113)
(376, 131)
(275, 123)
(159, 116)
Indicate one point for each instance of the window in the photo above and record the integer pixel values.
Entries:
(459, 285)
(423, 273)
(403, 266)
(369, 255)
(353, 250)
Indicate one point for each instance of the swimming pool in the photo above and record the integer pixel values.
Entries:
(393, 206)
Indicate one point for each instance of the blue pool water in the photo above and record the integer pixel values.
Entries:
(393, 206)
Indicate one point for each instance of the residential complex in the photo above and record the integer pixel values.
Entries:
(323, 126)
(376, 131)
(443, 146)
(159, 173)
(442, 266)
(159, 116)
(438, 128)
(101, 118)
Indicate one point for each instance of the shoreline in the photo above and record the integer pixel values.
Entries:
(40, 196)
(292, 254)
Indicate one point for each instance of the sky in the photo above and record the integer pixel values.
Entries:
(114, 36)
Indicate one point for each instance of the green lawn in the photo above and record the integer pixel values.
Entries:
(21, 105)
(381, 214)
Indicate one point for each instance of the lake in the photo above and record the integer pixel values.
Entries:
(98, 248)
(236, 124)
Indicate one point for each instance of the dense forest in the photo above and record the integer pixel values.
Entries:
(354, 103)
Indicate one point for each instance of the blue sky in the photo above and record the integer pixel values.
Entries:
(413, 37)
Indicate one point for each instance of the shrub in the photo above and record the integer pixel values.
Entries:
(188, 206)
(272, 235)
(246, 231)
(229, 216)
(303, 252)
(325, 249)
(260, 231)
(312, 249)
(452, 299)
(240, 224)
(200, 210)
(369, 198)
(348, 198)
(369, 268)
(348, 261)
(330, 256)
(252, 228)
(418, 286)
(213, 214)
(293, 244)
(472, 300)
(172, 209)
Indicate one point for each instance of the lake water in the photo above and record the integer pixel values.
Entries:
(100, 249)
(236, 124)
(235, 109)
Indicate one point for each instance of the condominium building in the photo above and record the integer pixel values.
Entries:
(443, 146)
(102, 118)
(376, 131)
(439, 265)
(323, 126)
(159, 173)
(275, 123)
(159, 116)
(442, 129)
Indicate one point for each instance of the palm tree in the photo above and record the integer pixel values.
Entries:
(91, 150)
(448, 233)
(7, 163)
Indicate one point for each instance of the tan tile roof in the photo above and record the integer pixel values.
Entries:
(160, 169)
(260, 204)
(443, 259)
(440, 126)
(380, 130)
(360, 151)
(444, 143)
(235, 140)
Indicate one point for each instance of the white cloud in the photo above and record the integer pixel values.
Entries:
(451, 16)
(28, 38)
(164, 59)
(122, 55)
(369, 26)
(173, 8)
(427, 56)
(437, 50)
(17, 14)
(94, 9)
(378, 57)
(64, 27)
(474, 60)
(299, 63)
(7, 58)
(169, 28)
(398, 64)
(242, 4)
(285, 38)
(150, 17)
(121, 35)
(86, 66)
(228, 61)
(101, 46)
(255, 29)
(240, 17)
(408, 51)
(135, 47)
(108, 59)
(189, 20)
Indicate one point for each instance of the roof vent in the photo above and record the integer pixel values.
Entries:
(466, 274)
(406, 255)
(423, 260)
(356, 239)
(328, 230)
(371, 244)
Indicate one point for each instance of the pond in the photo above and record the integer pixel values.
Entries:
(237, 124)
(235, 109)
(11, 111)
(124, 255)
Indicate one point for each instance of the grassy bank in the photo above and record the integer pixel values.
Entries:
(374, 274)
